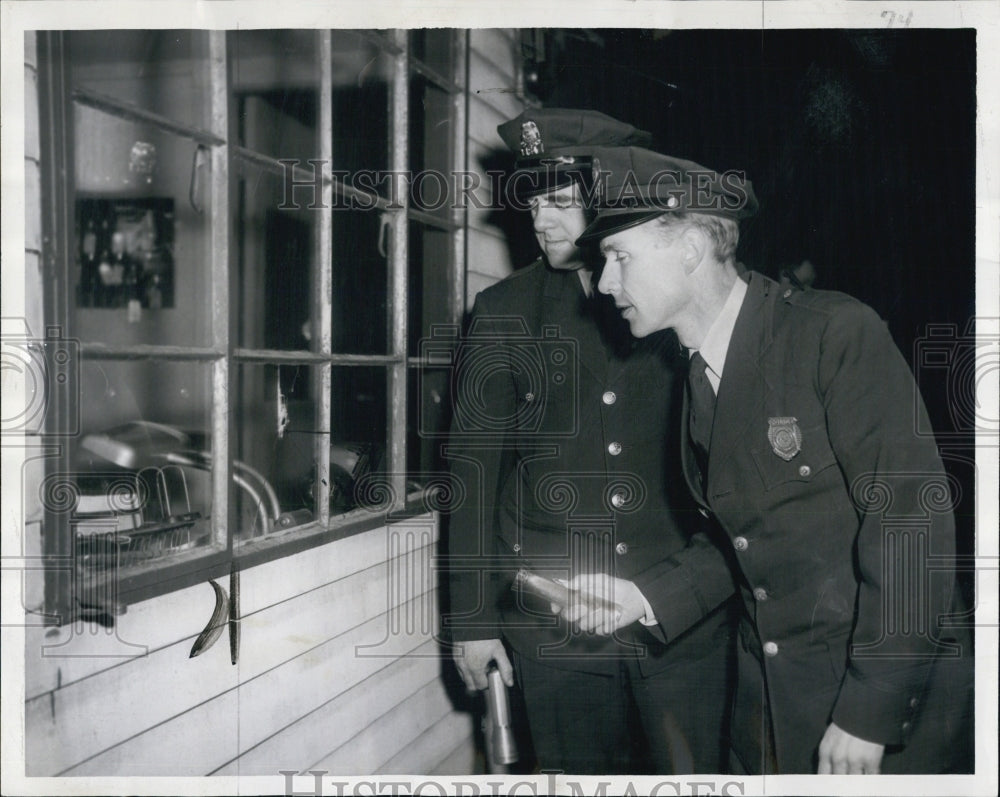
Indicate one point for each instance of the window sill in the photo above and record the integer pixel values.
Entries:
(185, 569)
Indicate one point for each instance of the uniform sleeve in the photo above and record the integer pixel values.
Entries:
(481, 463)
(687, 586)
(901, 493)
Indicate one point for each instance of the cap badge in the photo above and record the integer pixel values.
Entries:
(596, 181)
(785, 437)
(531, 139)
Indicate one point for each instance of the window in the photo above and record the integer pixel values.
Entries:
(248, 281)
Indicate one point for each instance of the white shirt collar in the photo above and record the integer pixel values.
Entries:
(716, 343)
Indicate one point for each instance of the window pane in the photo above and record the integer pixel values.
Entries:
(361, 75)
(431, 134)
(359, 431)
(274, 261)
(164, 71)
(277, 424)
(428, 416)
(276, 82)
(360, 283)
(143, 231)
(433, 46)
(142, 464)
(430, 282)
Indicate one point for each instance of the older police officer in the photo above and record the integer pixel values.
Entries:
(565, 440)
(800, 438)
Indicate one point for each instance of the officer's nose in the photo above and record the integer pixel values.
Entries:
(609, 282)
(544, 218)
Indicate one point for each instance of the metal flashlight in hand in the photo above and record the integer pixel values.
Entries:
(558, 593)
(500, 743)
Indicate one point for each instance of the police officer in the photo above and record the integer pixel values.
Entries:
(800, 438)
(565, 440)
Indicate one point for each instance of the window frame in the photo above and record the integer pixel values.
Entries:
(57, 99)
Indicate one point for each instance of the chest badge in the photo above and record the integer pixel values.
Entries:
(785, 437)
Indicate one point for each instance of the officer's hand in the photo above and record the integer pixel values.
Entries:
(840, 753)
(473, 660)
(601, 604)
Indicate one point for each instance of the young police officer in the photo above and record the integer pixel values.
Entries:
(565, 439)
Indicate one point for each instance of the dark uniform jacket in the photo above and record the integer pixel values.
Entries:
(835, 522)
(565, 441)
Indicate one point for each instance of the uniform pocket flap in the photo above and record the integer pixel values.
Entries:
(813, 456)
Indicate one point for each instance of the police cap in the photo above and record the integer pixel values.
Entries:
(634, 185)
(554, 145)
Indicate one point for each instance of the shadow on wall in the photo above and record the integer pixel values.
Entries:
(513, 223)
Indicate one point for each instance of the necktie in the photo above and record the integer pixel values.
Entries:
(701, 403)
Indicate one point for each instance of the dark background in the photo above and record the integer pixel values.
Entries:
(860, 144)
(861, 148)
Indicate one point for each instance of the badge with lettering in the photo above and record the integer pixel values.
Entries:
(531, 139)
(785, 437)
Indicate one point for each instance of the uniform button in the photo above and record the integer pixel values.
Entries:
(621, 548)
(805, 470)
(906, 726)
(913, 702)
(609, 397)
(787, 293)
(770, 648)
(741, 543)
(615, 449)
(517, 547)
(760, 594)
(618, 500)
(529, 396)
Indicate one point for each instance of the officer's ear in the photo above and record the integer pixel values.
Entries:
(693, 246)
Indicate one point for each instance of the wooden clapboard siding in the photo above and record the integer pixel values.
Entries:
(492, 100)
(493, 85)
(291, 628)
(485, 139)
(464, 759)
(366, 752)
(436, 744)
(332, 724)
(499, 46)
(67, 655)
(28, 299)
(323, 665)
(490, 250)
(264, 709)
(483, 124)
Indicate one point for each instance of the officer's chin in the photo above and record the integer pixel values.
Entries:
(637, 328)
(564, 258)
